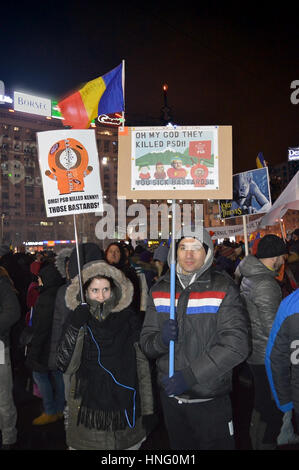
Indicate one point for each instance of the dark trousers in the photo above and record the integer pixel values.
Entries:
(266, 420)
(199, 426)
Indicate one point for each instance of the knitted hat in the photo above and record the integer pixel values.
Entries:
(271, 246)
(160, 253)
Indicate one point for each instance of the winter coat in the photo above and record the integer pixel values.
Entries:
(10, 310)
(87, 252)
(262, 295)
(282, 364)
(69, 355)
(60, 315)
(19, 275)
(212, 329)
(38, 355)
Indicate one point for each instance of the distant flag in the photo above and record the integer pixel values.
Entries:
(254, 243)
(103, 95)
(260, 162)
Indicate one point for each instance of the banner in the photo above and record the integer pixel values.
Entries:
(251, 194)
(288, 199)
(233, 230)
(179, 162)
(70, 172)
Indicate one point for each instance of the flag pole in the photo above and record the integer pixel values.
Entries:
(172, 288)
(245, 234)
(78, 260)
(123, 86)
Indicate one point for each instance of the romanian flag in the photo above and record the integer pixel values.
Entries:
(103, 95)
(260, 162)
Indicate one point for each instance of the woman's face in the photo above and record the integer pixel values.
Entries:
(113, 254)
(99, 289)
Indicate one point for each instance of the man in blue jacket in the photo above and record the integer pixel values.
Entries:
(211, 338)
(282, 358)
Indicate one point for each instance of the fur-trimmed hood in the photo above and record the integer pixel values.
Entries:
(95, 268)
(60, 260)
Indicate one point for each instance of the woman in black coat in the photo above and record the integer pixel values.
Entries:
(111, 400)
(38, 357)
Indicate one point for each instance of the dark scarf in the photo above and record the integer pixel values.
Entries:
(103, 402)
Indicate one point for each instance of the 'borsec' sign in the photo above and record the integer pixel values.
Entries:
(32, 104)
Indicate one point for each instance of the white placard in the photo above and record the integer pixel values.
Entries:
(233, 230)
(69, 166)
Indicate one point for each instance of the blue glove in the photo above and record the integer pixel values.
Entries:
(176, 384)
(80, 315)
(169, 331)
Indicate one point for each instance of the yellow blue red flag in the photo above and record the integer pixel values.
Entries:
(260, 162)
(103, 95)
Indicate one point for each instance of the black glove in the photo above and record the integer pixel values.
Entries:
(80, 315)
(181, 381)
(169, 331)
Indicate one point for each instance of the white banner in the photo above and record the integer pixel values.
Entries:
(233, 230)
(69, 166)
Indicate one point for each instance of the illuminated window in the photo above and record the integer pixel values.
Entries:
(46, 223)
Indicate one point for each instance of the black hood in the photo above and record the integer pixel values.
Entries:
(87, 252)
(50, 276)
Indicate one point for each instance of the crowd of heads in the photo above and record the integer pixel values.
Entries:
(23, 268)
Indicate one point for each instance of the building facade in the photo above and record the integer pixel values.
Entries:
(23, 215)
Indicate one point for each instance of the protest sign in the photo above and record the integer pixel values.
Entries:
(251, 194)
(233, 230)
(179, 162)
(70, 172)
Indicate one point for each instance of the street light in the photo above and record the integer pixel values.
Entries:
(166, 116)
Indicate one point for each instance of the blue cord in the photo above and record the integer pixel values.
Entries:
(117, 383)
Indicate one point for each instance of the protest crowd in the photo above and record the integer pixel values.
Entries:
(90, 346)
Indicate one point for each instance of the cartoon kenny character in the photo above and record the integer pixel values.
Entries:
(144, 173)
(68, 161)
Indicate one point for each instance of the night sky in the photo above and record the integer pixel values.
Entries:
(222, 66)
